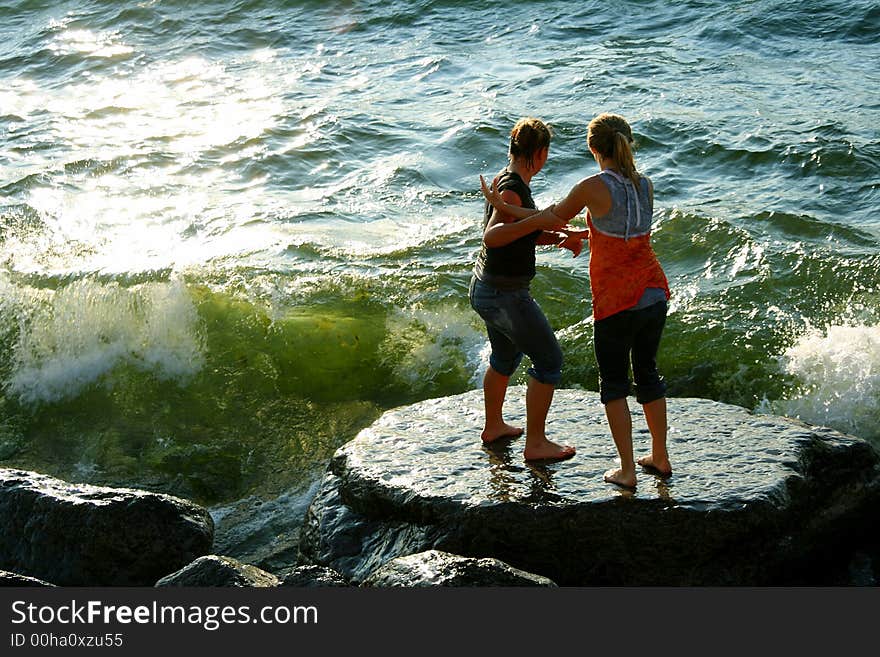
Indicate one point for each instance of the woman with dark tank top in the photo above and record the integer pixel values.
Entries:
(629, 288)
(499, 292)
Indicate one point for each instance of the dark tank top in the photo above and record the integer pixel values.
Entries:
(510, 266)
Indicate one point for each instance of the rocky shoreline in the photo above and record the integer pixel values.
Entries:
(414, 500)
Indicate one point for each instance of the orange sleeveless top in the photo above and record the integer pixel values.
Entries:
(620, 271)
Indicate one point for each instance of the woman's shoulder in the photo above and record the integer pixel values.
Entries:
(510, 179)
(592, 183)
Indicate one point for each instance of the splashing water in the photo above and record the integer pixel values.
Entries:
(81, 332)
(840, 374)
(429, 348)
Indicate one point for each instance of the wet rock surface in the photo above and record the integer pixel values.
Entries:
(216, 570)
(754, 499)
(14, 579)
(82, 535)
(435, 568)
(311, 576)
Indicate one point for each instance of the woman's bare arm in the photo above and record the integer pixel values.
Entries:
(511, 221)
(588, 193)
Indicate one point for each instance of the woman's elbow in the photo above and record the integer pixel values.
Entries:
(492, 239)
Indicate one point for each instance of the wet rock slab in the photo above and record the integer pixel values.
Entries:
(435, 568)
(82, 535)
(217, 570)
(754, 499)
(14, 579)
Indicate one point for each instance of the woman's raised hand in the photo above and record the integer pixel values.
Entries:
(492, 195)
(573, 243)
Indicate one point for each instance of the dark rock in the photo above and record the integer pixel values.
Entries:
(213, 570)
(14, 579)
(82, 535)
(435, 568)
(863, 568)
(313, 577)
(754, 499)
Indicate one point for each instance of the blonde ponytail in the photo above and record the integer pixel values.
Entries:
(611, 137)
(623, 158)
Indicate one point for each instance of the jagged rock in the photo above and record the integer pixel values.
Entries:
(82, 535)
(214, 570)
(754, 499)
(435, 568)
(14, 579)
(310, 576)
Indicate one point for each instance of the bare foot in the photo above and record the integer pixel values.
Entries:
(620, 478)
(547, 451)
(656, 466)
(491, 434)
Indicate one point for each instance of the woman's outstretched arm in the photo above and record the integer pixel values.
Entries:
(505, 227)
(587, 193)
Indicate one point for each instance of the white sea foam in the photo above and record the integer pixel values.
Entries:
(839, 369)
(478, 361)
(423, 344)
(72, 337)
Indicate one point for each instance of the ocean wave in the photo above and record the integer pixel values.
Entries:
(804, 227)
(852, 21)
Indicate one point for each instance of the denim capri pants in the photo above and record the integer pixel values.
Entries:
(630, 335)
(517, 326)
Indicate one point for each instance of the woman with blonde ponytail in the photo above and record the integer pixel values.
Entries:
(628, 286)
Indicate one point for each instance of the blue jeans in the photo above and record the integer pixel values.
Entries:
(630, 335)
(517, 326)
